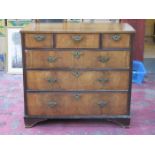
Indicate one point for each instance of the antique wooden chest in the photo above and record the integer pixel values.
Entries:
(77, 71)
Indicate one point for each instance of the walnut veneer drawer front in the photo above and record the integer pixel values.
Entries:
(60, 104)
(116, 41)
(77, 40)
(77, 80)
(77, 59)
(39, 40)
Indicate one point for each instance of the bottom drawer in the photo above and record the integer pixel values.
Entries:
(67, 104)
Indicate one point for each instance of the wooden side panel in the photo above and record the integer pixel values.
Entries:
(109, 42)
(38, 40)
(77, 80)
(61, 104)
(77, 59)
(70, 41)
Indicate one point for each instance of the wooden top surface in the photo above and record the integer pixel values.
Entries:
(79, 27)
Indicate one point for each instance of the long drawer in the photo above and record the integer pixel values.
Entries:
(77, 80)
(61, 104)
(77, 59)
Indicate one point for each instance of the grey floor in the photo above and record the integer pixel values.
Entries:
(149, 64)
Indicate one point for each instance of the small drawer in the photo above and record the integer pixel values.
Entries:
(77, 80)
(83, 104)
(38, 40)
(77, 40)
(77, 59)
(116, 41)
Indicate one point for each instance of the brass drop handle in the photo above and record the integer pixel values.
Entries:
(102, 104)
(103, 59)
(39, 37)
(77, 38)
(51, 80)
(103, 80)
(116, 37)
(52, 59)
(52, 104)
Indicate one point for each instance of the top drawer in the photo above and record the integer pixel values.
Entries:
(116, 40)
(77, 40)
(38, 40)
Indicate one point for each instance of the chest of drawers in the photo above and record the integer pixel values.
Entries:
(77, 71)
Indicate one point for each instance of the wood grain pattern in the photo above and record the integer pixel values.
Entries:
(79, 27)
(68, 104)
(87, 41)
(31, 42)
(87, 80)
(108, 42)
(70, 59)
